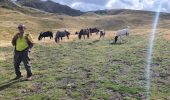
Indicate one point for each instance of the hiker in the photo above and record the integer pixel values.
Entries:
(23, 43)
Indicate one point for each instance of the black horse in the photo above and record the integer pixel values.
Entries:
(45, 34)
(60, 34)
(83, 32)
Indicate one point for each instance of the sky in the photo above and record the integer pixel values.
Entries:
(91, 5)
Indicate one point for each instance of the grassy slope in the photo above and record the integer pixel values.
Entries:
(91, 69)
(35, 24)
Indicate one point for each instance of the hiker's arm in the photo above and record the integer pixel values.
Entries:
(14, 39)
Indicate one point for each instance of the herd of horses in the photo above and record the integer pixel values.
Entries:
(82, 33)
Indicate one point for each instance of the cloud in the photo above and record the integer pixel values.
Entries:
(86, 6)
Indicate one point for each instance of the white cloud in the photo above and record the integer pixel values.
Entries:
(110, 3)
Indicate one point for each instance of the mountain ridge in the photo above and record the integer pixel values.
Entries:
(50, 6)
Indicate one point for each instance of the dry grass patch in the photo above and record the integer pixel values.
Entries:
(167, 36)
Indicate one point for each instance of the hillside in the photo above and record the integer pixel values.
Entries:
(9, 18)
(8, 4)
(50, 6)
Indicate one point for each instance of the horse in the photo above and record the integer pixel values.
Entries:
(93, 30)
(102, 33)
(45, 34)
(83, 32)
(123, 32)
(60, 34)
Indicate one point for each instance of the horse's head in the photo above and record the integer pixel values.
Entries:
(40, 36)
(67, 32)
(51, 34)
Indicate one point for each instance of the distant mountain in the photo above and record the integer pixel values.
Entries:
(50, 6)
(7, 4)
(121, 11)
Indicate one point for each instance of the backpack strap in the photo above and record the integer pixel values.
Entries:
(14, 39)
(29, 42)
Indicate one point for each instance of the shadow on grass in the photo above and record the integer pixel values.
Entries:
(7, 84)
(113, 43)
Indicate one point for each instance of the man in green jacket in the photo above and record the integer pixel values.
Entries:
(23, 43)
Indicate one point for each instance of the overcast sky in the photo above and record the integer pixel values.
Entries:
(90, 5)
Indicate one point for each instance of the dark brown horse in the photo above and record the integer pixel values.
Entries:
(60, 34)
(93, 30)
(83, 32)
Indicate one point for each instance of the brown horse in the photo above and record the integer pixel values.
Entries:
(60, 34)
(83, 32)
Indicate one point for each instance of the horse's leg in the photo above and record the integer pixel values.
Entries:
(120, 39)
(58, 39)
(96, 33)
(103, 35)
(127, 36)
(84, 36)
(116, 37)
(79, 36)
(67, 36)
(88, 36)
(55, 39)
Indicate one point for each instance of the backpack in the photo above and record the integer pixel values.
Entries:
(30, 43)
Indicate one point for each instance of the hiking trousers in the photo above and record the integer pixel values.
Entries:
(24, 57)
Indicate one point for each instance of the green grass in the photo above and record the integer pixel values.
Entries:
(88, 69)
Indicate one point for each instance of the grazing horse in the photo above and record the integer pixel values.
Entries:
(123, 32)
(60, 34)
(83, 32)
(45, 34)
(93, 30)
(102, 33)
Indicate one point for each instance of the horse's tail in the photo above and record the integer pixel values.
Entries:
(39, 38)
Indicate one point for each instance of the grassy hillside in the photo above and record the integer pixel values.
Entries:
(86, 69)
(9, 20)
(89, 69)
